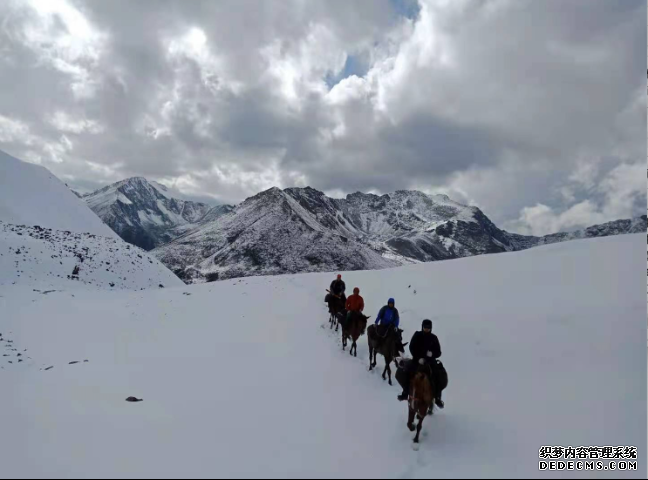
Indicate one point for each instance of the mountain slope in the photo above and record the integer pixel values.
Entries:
(144, 214)
(267, 234)
(31, 195)
(243, 378)
(46, 231)
(616, 227)
(46, 258)
(303, 230)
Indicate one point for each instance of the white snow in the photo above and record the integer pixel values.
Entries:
(123, 199)
(243, 377)
(46, 231)
(46, 259)
(31, 195)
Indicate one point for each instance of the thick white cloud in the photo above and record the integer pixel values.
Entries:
(623, 192)
(534, 111)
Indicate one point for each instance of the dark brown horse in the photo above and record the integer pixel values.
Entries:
(336, 306)
(420, 403)
(390, 346)
(353, 329)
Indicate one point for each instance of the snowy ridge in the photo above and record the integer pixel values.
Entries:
(270, 233)
(46, 258)
(616, 227)
(303, 230)
(31, 195)
(537, 344)
(144, 214)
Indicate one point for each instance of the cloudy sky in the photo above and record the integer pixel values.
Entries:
(532, 110)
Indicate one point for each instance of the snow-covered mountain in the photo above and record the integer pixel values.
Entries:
(270, 233)
(244, 379)
(51, 239)
(303, 230)
(145, 214)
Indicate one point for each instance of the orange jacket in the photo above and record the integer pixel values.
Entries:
(355, 303)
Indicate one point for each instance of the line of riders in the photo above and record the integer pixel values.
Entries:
(424, 345)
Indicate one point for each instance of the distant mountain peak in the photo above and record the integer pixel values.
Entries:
(144, 213)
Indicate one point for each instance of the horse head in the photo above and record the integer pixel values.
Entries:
(399, 346)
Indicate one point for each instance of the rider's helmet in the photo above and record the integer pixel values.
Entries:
(427, 324)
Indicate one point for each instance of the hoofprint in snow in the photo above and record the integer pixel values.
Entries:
(243, 378)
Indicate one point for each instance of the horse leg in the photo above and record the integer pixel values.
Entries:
(410, 420)
(418, 429)
(387, 370)
(370, 359)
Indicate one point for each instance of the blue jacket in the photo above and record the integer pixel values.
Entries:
(388, 315)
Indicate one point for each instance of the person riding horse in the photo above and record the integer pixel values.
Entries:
(387, 319)
(338, 288)
(354, 304)
(425, 349)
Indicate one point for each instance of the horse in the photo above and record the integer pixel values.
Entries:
(353, 329)
(390, 347)
(420, 403)
(336, 305)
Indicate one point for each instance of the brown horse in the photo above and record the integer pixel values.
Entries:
(353, 329)
(421, 402)
(390, 346)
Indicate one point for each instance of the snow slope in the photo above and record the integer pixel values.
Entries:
(46, 231)
(31, 195)
(46, 258)
(243, 378)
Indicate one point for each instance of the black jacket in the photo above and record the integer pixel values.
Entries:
(423, 342)
(338, 287)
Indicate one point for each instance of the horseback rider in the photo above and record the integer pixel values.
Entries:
(425, 349)
(387, 317)
(354, 304)
(338, 288)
